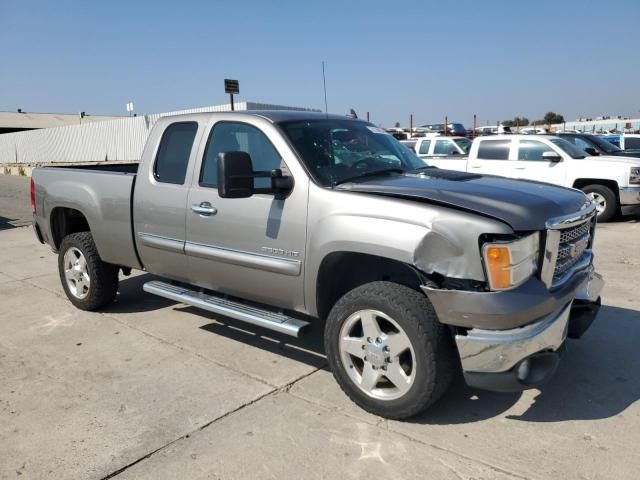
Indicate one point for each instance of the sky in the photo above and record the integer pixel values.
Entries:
(496, 59)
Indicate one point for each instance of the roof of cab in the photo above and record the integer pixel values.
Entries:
(275, 116)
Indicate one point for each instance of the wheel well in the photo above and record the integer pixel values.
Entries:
(341, 272)
(65, 221)
(583, 182)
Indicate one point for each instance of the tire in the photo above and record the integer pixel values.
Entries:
(433, 361)
(605, 199)
(102, 284)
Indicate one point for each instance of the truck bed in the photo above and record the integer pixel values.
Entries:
(102, 194)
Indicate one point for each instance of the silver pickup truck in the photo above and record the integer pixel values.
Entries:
(281, 219)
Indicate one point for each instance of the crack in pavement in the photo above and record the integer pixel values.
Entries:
(274, 391)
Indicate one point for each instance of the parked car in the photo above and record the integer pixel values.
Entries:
(594, 145)
(612, 182)
(452, 128)
(492, 130)
(285, 219)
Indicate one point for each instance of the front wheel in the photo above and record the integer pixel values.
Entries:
(388, 351)
(604, 198)
(88, 282)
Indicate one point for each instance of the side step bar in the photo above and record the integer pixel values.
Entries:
(277, 322)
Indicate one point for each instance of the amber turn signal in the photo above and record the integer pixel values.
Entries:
(498, 267)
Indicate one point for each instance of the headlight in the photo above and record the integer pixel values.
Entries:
(634, 175)
(510, 264)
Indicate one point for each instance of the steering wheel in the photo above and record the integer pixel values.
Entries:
(365, 162)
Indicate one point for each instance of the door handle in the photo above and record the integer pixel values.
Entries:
(205, 209)
(476, 166)
(521, 168)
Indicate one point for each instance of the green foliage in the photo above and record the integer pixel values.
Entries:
(552, 117)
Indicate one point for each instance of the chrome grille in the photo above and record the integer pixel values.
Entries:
(568, 245)
(571, 234)
(573, 246)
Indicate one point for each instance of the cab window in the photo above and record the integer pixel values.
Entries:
(532, 150)
(424, 147)
(494, 149)
(234, 137)
(445, 147)
(174, 151)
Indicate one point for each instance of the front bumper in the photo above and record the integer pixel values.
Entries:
(630, 200)
(527, 356)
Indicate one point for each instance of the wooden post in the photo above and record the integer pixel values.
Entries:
(446, 122)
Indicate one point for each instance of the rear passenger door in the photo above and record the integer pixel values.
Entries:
(160, 198)
(492, 158)
(248, 247)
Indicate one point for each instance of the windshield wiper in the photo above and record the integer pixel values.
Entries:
(371, 173)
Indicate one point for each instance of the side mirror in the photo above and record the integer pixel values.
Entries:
(552, 157)
(235, 175)
(592, 151)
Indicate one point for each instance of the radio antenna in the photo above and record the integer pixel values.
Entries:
(324, 84)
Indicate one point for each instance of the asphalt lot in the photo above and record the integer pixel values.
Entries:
(152, 389)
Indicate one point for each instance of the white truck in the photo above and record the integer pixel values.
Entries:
(454, 149)
(612, 182)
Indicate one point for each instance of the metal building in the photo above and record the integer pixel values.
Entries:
(122, 139)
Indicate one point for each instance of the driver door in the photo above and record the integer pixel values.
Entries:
(531, 165)
(253, 247)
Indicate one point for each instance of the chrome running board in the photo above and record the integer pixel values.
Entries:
(277, 322)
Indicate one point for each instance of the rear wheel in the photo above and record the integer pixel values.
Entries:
(605, 200)
(88, 282)
(387, 349)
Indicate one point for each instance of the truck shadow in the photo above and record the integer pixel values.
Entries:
(598, 377)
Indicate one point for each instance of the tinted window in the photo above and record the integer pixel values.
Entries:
(494, 149)
(463, 143)
(532, 150)
(173, 154)
(445, 147)
(577, 141)
(631, 142)
(424, 147)
(234, 137)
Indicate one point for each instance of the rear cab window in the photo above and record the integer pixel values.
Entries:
(494, 149)
(424, 147)
(174, 151)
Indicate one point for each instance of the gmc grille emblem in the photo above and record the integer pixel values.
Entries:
(576, 249)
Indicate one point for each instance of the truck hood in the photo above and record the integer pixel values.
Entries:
(524, 205)
(624, 160)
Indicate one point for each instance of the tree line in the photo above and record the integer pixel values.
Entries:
(550, 118)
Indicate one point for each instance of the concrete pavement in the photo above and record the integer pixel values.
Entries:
(152, 389)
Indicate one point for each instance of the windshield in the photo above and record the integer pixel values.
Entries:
(608, 147)
(336, 150)
(463, 143)
(569, 148)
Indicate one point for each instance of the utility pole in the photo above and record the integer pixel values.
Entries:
(367, 116)
(473, 132)
(411, 124)
(446, 123)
